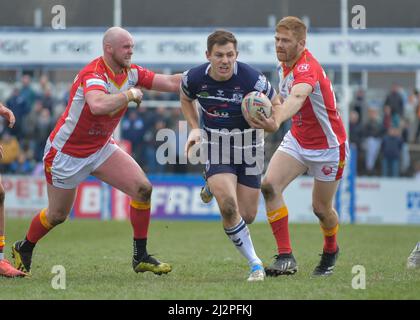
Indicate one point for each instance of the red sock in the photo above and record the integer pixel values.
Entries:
(330, 239)
(140, 218)
(279, 221)
(39, 227)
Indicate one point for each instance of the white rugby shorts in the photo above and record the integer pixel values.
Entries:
(66, 172)
(322, 164)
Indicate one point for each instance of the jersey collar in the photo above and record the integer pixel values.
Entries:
(287, 70)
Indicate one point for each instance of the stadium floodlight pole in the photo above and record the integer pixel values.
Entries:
(345, 88)
(345, 199)
(117, 23)
(117, 13)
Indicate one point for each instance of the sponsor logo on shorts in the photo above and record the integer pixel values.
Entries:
(327, 170)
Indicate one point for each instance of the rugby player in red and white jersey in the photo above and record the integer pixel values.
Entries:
(316, 143)
(81, 144)
(6, 269)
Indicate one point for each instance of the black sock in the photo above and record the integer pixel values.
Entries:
(139, 248)
(27, 246)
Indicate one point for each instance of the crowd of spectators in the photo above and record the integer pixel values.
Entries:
(381, 134)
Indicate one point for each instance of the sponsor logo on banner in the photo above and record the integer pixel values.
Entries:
(25, 196)
(379, 200)
(88, 200)
(413, 205)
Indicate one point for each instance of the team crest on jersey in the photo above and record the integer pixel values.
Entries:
(261, 83)
(237, 97)
(327, 170)
(220, 93)
(303, 67)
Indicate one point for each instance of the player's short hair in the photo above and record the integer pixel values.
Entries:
(295, 25)
(220, 37)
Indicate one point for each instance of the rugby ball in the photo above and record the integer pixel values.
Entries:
(256, 101)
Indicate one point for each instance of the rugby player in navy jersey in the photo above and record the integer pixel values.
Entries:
(234, 151)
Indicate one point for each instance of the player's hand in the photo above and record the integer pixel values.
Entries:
(1, 152)
(135, 95)
(262, 122)
(8, 115)
(193, 138)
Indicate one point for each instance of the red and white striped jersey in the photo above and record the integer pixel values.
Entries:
(80, 133)
(318, 124)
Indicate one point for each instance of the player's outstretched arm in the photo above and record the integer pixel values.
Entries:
(101, 103)
(7, 114)
(166, 82)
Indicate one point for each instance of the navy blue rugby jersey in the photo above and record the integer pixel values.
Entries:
(220, 101)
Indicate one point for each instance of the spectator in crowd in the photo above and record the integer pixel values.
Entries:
(44, 82)
(359, 104)
(372, 133)
(18, 105)
(26, 91)
(181, 132)
(133, 129)
(410, 113)
(405, 150)
(11, 150)
(356, 129)
(22, 165)
(356, 134)
(396, 102)
(387, 118)
(48, 100)
(391, 153)
(150, 146)
(43, 126)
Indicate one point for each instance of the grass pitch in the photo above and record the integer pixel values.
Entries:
(96, 256)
